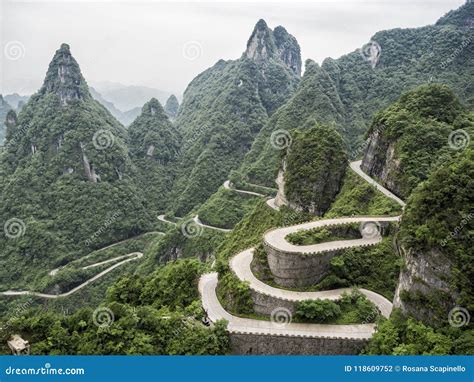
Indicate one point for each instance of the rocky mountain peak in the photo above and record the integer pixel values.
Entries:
(154, 108)
(64, 77)
(172, 106)
(265, 44)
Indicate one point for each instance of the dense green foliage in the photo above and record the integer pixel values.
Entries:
(226, 208)
(162, 309)
(402, 336)
(315, 165)
(154, 146)
(66, 175)
(351, 308)
(411, 136)
(4, 108)
(224, 108)
(358, 197)
(348, 92)
(320, 235)
(172, 106)
(437, 228)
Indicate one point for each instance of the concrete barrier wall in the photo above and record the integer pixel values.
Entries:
(272, 345)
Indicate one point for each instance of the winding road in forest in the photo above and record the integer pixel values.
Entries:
(241, 265)
(126, 258)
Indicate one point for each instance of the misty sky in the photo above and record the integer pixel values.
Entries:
(166, 44)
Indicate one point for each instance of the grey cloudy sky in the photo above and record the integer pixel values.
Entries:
(166, 44)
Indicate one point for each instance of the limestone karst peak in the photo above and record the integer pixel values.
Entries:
(64, 77)
(265, 44)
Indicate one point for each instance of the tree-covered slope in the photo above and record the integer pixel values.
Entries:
(315, 165)
(226, 106)
(172, 106)
(436, 241)
(407, 138)
(66, 181)
(154, 145)
(351, 89)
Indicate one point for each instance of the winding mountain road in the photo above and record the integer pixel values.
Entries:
(128, 257)
(240, 265)
(227, 186)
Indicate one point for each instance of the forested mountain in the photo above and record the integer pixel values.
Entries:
(226, 106)
(353, 87)
(154, 145)
(172, 106)
(410, 136)
(4, 108)
(65, 174)
(436, 242)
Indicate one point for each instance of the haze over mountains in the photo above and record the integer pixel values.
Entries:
(85, 167)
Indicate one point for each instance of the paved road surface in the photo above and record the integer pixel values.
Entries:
(240, 264)
(131, 257)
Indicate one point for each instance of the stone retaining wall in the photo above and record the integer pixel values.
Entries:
(295, 269)
(264, 304)
(274, 344)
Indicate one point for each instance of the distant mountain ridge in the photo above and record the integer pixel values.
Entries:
(224, 108)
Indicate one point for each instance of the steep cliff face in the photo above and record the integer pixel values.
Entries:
(408, 137)
(436, 244)
(226, 106)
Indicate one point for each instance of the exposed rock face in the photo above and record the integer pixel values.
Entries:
(172, 106)
(435, 241)
(380, 161)
(426, 274)
(64, 77)
(408, 137)
(280, 198)
(265, 44)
